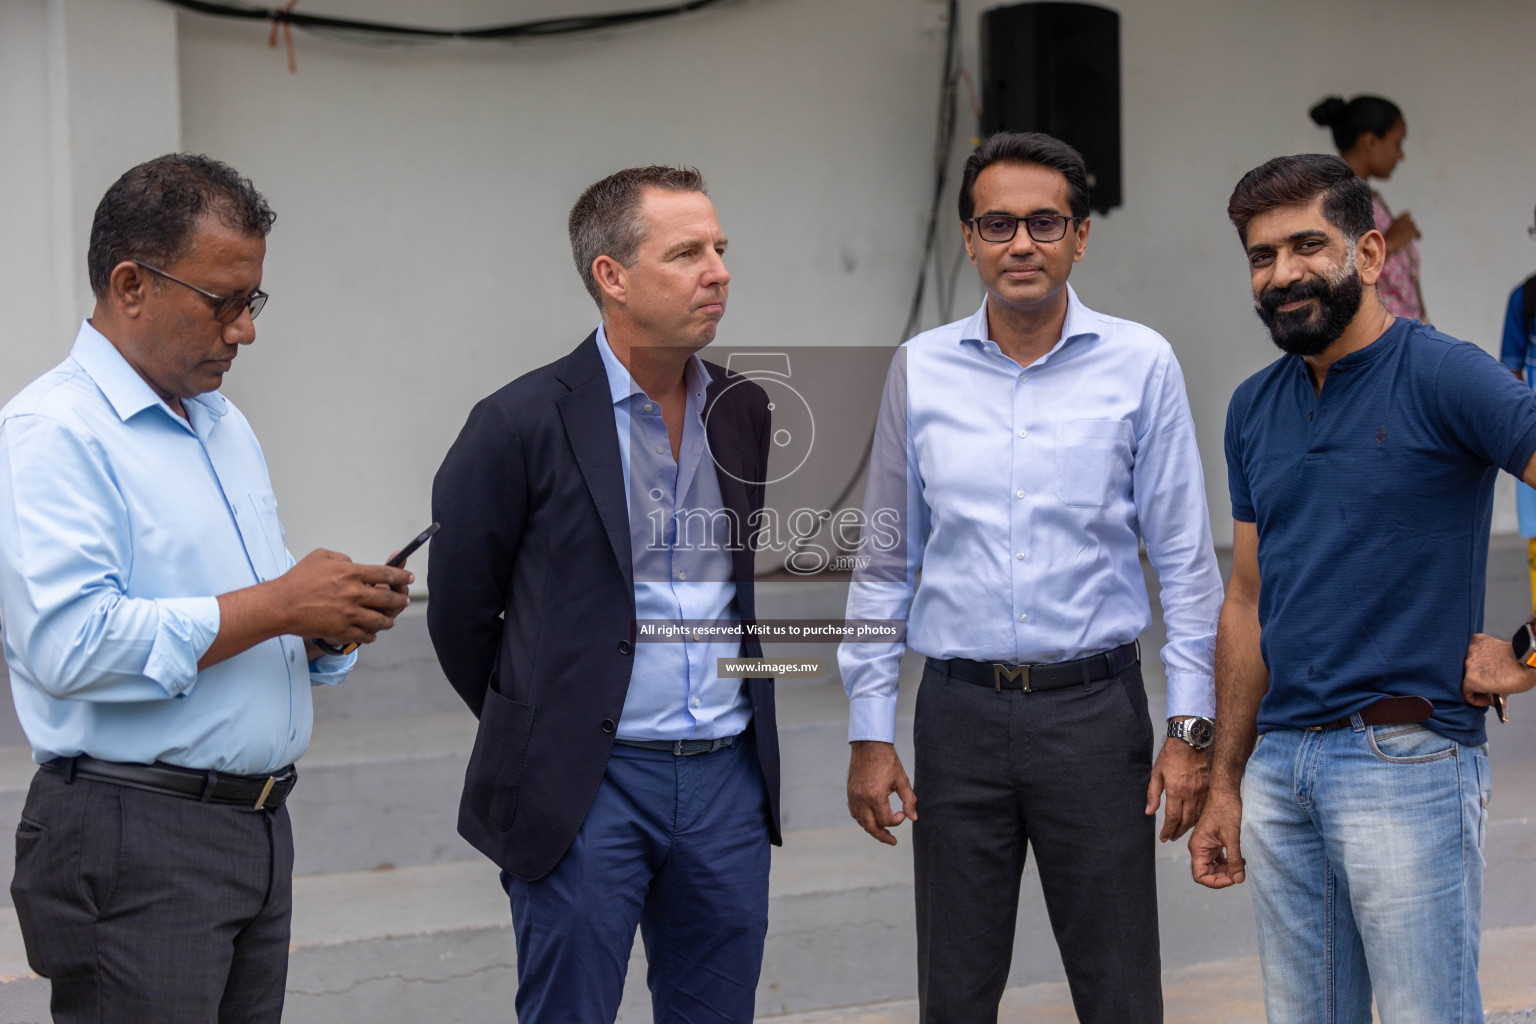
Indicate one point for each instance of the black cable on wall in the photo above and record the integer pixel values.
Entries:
(541, 28)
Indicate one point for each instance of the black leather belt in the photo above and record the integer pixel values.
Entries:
(682, 748)
(257, 792)
(1029, 678)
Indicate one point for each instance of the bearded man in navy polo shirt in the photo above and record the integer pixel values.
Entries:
(1361, 468)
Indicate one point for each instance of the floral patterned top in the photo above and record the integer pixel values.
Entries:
(1399, 283)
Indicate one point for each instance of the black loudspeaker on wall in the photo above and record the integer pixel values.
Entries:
(1055, 68)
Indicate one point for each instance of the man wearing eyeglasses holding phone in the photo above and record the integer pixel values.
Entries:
(161, 640)
(1028, 450)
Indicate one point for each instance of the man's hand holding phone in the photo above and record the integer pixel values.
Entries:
(330, 596)
(391, 596)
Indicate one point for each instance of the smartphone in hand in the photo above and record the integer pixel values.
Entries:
(410, 549)
(395, 562)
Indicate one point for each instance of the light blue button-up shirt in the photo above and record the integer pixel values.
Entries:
(682, 569)
(1026, 492)
(120, 524)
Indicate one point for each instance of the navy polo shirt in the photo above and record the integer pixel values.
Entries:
(1373, 502)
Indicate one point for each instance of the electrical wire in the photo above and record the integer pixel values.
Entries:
(948, 312)
(943, 145)
(538, 29)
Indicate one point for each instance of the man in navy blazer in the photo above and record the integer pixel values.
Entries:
(618, 782)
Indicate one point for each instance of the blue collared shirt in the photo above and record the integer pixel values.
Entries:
(1027, 493)
(681, 568)
(120, 524)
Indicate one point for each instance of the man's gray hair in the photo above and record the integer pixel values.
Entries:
(607, 219)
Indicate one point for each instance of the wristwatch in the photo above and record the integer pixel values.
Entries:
(1524, 644)
(1198, 732)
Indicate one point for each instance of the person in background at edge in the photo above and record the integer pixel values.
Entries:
(1025, 453)
(1369, 132)
(1349, 660)
(161, 640)
(1518, 352)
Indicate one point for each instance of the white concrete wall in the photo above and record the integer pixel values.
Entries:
(420, 260)
(88, 88)
(420, 257)
(30, 340)
(1212, 90)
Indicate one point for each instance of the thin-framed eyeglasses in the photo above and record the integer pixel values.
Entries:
(1042, 227)
(226, 308)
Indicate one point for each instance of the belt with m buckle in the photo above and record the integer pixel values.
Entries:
(1031, 678)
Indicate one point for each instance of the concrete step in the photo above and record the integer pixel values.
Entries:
(383, 792)
(378, 792)
(433, 942)
(398, 919)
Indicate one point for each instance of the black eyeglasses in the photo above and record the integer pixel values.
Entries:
(226, 308)
(1042, 227)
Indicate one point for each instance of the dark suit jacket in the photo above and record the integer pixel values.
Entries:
(532, 596)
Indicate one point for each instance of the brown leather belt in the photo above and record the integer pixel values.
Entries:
(1386, 711)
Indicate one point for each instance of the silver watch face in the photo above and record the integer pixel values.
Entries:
(1197, 732)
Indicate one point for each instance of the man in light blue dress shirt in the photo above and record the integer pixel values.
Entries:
(161, 640)
(1027, 452)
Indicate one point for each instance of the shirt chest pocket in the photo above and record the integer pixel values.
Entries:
(263, 536)
(1093, 459)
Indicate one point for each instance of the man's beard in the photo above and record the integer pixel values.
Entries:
(1309, 331)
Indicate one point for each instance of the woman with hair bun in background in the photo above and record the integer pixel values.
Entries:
(1369, 132)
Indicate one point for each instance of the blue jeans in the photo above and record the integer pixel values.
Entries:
(676, 845)
(1365, 850)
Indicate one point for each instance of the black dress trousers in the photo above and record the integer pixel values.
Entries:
(141, 906)
(1065, 773)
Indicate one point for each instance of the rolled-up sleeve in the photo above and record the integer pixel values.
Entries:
(64, 558)
(330, 669)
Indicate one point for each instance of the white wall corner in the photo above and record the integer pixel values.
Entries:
(114, 97)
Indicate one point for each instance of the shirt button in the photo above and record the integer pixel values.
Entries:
(682, 576)
(1023, 377)
(1019, 493)
(660, 449)
(649, 407)
(1023, 618)
(292, 657)
(697, 638)
(1310, 415)
(1019, 556)
(695, 702)
(1023, 433)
